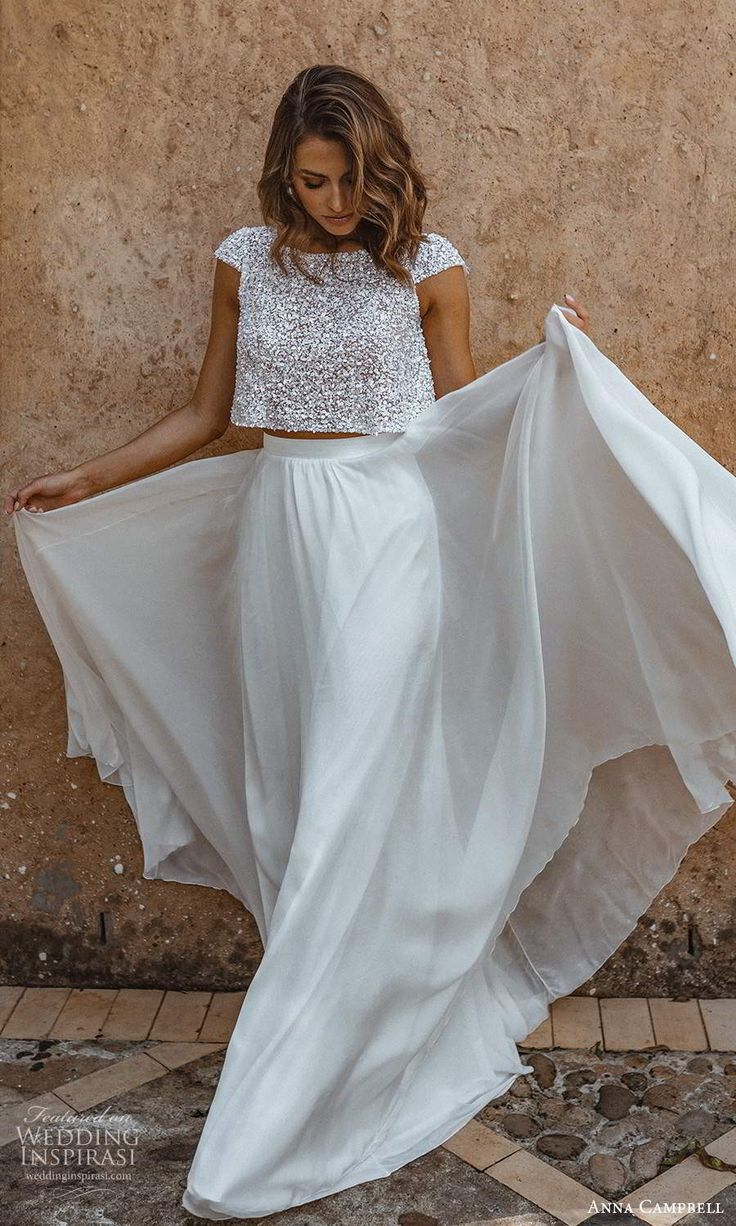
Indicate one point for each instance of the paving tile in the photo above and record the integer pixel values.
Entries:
(9, 997)
(10, 1095)
(545, 1186)
(541, 1036)
(83, 1014)
(724, 1147)
(13, 1117)
(35, 1013)
(31, 1071)
(627, 1025)
(719, 1017)
(132, 1013)
(221, 1017)
(678, 1024)
(108, 1082)
(576, 1021)
(173, 1055)
(479, 1146)
(180, 1016)
(688, 1183)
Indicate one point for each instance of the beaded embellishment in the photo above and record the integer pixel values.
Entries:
(348, 355)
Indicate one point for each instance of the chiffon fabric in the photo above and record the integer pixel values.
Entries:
(443, 709)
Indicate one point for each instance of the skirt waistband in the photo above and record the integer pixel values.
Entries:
(328, 448)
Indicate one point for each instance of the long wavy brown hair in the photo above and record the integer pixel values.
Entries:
(388, 192)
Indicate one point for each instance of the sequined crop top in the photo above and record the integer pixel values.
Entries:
(348, 355)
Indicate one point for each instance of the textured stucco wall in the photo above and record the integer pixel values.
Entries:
(577, 146)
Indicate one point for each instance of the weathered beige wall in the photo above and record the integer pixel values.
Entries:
(576, 146)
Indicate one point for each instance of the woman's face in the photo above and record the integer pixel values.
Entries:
(322, 182)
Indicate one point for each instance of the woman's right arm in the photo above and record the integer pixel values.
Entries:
(182, 431)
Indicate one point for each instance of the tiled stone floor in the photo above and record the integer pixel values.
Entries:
(154, 1057)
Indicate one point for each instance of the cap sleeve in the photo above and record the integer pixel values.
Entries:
(435, 254)
(231, 248)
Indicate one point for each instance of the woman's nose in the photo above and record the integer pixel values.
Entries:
(340, 200)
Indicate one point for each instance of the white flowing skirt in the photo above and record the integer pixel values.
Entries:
(444, 710)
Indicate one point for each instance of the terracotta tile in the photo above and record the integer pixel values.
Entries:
(173, 1055)
(479, 1146)
(35, 1013)
(576, 1021)
(541, 1036)
(221, 1017)
(9, 997)
(83, 1014)
(108, 1082)
(13, 1117)
(719, 1017)
(132, 1013)
(180, 1016)
(626, 1023)
(564, 1198)
(678, 1024)
(688, 1183)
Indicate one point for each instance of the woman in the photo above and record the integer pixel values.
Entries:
(439, 682)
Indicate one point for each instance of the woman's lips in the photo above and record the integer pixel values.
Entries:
(343, 217)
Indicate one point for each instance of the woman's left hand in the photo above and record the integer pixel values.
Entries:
(576, 313)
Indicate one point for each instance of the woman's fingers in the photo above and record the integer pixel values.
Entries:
(25, 493)
(14, 500)
(9, 502)
(582, 317)
(575, 313)
(22, 496)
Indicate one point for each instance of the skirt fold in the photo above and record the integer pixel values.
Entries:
(444, 710)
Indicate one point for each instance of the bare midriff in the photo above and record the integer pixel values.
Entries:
(313, 434)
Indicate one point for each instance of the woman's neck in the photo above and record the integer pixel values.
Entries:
(341, 244)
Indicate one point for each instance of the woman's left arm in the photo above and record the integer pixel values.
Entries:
(444, 306)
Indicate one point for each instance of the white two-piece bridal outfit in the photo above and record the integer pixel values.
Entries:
(443, 706)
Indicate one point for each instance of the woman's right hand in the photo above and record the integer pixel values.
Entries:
(49, 492)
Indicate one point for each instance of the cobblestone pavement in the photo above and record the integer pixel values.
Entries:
(616, 1120)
